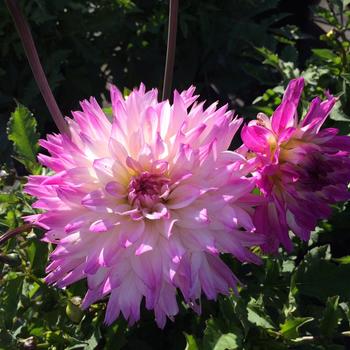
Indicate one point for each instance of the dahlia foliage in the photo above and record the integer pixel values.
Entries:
(299, 169)
(143, 205)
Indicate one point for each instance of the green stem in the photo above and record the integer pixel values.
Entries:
(36, 279)
(12, 233)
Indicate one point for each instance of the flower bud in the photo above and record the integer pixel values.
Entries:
(73, 310)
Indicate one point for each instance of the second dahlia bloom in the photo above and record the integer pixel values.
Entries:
(300, 168)
(143, 204)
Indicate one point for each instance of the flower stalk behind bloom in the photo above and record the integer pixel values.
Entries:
(34, 62)
(145, 204)
(300, 169)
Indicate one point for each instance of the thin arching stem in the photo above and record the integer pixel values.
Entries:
(34, 62)
(12, 233)
(171, 45)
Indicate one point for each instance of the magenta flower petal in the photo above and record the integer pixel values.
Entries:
(318, 113)
(257, 138)
(285, 114)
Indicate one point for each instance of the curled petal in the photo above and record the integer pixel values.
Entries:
(285, 115)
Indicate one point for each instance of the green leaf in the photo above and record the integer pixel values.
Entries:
(319, 277)
(22, 132)
(325, 54)
(331, 317)
(8, 198)
(31, 250)
(343, 259)
(215, 339)
(92, 343)
(109, 112)
(37, 254)
(338, 114)
(34, 287)
(227, 341)
(270, 57)
(11, 297)
(258, 320)
(346, 76)
(290, 328)
(11, 219)
(191, 343)
(37, 331)
(258, 316)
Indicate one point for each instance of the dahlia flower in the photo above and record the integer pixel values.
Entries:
(143, 205)
(300, 169)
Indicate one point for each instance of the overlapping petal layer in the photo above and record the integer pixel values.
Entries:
(300, 169)
(143, 204)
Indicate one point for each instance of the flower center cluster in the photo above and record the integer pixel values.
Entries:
(147, 191)
(316, 173)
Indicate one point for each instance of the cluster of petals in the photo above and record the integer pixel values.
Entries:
(143, 203)
(300, 168)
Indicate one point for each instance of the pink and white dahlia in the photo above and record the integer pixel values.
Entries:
(144, 204)
(300, 169)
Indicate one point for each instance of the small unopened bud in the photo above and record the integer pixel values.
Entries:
(73, 310)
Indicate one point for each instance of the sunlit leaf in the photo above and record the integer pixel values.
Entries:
(215, 339)
(22, 132)
(290, 328)
(191, 343)
(331, 316)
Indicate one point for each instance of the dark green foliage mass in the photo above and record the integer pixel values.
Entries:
(237, 51)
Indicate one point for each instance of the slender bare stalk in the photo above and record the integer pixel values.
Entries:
(170, 53)
(34, 62)
(12, 233)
